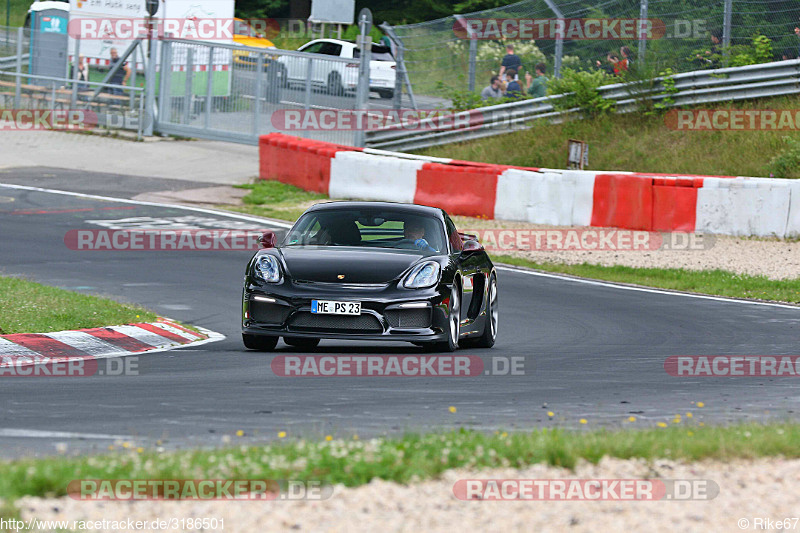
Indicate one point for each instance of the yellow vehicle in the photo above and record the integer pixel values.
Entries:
(244, 34)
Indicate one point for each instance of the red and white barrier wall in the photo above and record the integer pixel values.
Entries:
(654, 202)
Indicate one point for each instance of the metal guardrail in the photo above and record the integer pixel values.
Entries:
(693, 88)
(11, 61)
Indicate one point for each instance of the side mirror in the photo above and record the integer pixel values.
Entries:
(472, 246)
(268, 240)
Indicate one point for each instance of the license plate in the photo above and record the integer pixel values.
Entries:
(327, 307)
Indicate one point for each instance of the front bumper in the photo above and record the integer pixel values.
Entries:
(285, 310)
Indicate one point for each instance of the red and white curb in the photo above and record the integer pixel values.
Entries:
(20, 349)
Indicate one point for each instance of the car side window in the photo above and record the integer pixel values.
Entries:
(452, 235)
(331, 49)
(313, 49)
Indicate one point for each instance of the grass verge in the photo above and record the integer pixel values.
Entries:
(29, 307)
(713, 282)
(406, 459)
(274, 199)
(627, 142)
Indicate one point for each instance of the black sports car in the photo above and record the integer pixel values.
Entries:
(370, 271)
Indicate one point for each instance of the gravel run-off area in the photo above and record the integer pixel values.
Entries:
(751, 490)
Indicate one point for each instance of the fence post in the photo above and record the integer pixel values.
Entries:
(362, 89)
(309, 75)
(473, 51)
(642, 38)
(187, 101)
(726, 30)
(73, 100)
(401, 74)
(18, 87)
(134, 70)
(165, 83)
(559, 38)
(150, 88)
(209, 86)
(257, 93)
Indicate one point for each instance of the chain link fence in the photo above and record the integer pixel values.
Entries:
(36, 74)
(461, 52)
(232, 92)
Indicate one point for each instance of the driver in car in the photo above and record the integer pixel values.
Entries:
(415, 232)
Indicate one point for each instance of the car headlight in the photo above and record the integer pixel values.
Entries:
(423, 275)
(267, 268)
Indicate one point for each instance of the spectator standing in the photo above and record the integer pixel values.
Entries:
(627, 57)
(537, 87)
(493, 90)
(712, 55)
(510, 61)
(613, 67)
(120, 76)
(82, 75)
(797, 32)
(513, 89)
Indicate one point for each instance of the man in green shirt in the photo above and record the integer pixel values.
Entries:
(537, 87)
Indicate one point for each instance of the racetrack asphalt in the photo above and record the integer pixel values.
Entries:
(592, 351)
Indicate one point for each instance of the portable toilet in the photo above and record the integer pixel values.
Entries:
(49, 40)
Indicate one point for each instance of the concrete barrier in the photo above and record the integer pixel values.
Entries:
(373, 177)
(642, 201)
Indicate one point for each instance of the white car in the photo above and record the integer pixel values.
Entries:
(336, 76)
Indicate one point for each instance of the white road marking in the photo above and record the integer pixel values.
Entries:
(642, 289)
(152, 204)
(41, 434)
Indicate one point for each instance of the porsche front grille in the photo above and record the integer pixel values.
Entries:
(268, 313)
(365, 323)
(409, 318)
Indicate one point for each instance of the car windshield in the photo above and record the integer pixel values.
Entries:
(369, 228)
(379, 53)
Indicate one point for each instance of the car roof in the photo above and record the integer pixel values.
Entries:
(406, 208)
(335, 41)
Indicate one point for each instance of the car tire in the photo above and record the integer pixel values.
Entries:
(334, 84)
(453, 323)
(261, 343)
(487, 339)
(301, 342)
(386, 94)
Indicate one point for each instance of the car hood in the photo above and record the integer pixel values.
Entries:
(326, 263)
(255, 42)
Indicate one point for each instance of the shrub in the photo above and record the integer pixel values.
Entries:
(787, 163)
(581, 90)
